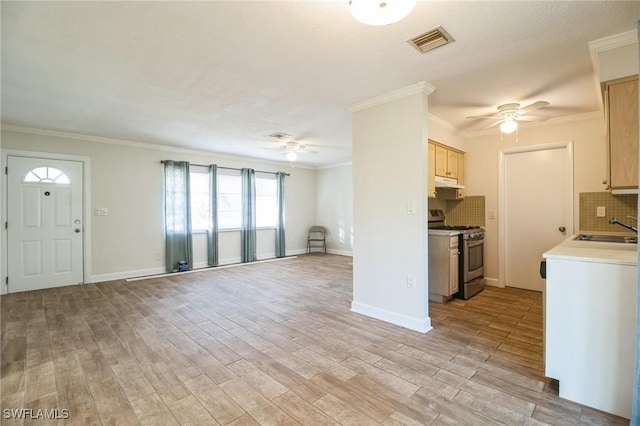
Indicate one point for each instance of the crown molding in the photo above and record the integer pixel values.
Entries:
(528, 125)
(614, 41)
(603, 44)
(334, 166)
(145, 145)
(422, 87)
(608, 43)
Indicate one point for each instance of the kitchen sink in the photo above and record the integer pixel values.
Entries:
(607, 238)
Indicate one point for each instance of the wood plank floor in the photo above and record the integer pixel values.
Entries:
(273, 343)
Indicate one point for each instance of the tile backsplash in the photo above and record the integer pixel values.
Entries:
(619, 206)
(468, 211)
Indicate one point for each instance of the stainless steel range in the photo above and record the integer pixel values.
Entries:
(470, 253)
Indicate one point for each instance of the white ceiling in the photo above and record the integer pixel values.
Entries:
(221, 76)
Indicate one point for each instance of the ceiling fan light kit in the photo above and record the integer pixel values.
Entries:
(380, 12)
(292, 156)
(508, 126)
(510, 114)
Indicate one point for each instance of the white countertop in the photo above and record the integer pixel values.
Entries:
(595, 252)
(446, 232)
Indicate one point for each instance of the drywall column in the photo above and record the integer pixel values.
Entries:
(389, 207)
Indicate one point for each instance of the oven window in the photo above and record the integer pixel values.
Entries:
(475, 257)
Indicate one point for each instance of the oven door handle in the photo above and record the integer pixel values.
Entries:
(473, 243)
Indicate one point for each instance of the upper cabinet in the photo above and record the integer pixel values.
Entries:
(431, 182)
(446, 162)
(621, 97)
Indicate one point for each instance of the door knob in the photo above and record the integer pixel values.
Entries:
(562, 229)
(77, 230)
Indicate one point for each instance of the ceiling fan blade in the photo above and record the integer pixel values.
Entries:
(306, 151)
(534, 106)
(484, 116)
(532, 118)
(492, 125)
(274, 148)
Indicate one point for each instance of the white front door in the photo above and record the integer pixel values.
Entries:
(45, 223)
(538, 203)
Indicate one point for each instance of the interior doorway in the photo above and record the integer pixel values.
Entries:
(536, 207)
(45, 223)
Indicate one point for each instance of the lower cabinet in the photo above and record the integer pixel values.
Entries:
(590, 325)
(443, 267)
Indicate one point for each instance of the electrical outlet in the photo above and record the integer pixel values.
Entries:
(157, 255)
(411, 281)
(600, 211)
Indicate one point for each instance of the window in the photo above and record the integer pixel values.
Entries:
(266, 202)
(199, 183)
(230, 201)
(46, 175)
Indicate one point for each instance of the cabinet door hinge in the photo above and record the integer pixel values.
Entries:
(6, 281)
(6, 225)
(6, 170)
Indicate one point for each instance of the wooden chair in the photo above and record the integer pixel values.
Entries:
(316, 239)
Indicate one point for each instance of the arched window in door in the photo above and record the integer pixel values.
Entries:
(46, 175)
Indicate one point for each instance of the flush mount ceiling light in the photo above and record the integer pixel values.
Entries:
(380, 12)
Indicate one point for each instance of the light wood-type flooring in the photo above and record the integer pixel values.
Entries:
(273, 343)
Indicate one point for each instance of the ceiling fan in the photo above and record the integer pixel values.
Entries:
(292, 148)
(509, 115)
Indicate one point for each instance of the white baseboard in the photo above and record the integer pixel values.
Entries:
(493, 282)
(421, 325)
(340, 252)
(296, 252)
(126, 274)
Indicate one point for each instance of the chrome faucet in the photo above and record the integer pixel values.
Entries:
(615, 221)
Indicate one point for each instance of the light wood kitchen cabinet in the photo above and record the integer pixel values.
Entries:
(431, 181)
(445, 162)
(621, 97)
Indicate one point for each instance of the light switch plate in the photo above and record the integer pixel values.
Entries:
(411, 207)
(102, 211)
(600, 211)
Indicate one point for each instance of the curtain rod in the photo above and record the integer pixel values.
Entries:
(231, 168)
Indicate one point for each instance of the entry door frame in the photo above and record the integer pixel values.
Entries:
(86, 208)
(502, 206)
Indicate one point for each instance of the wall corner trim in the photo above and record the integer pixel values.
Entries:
(422, 87)
(421, 325)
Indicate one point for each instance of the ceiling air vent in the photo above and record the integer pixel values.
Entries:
(280, 135)
(431, 39)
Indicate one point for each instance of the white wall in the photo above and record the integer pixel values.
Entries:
(444, 133)
(334, 209)
(481, 168)
(127, 178)
(389, 172)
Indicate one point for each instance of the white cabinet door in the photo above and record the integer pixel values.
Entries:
(453, 271)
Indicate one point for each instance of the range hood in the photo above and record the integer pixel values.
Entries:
(444, 182)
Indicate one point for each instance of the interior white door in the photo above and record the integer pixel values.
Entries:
(45, 223)
(538, 211)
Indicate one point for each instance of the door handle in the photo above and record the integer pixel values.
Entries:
(77, 230)
(562, 229)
